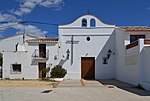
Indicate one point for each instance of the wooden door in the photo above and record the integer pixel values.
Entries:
(88, 67)
(42, 50)
(41, 67)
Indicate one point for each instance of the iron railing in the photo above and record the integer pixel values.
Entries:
(40, 54)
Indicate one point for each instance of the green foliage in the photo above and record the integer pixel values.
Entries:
(1, 59)
(46, 70)
(58, 72)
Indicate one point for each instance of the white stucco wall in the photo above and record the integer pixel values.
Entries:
(29, 66)
(126, 60)
(144, 68)
(53, 51)
(102, 39)
(145, 64)
(9, 43)
(22, 58)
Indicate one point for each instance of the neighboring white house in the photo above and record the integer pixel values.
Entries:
(24, 56)
(87, 48)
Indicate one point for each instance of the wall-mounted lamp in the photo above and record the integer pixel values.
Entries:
(55, 57)
(109, 53)
(68, 52)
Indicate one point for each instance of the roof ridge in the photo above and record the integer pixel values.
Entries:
(43, 40)
(136, 28)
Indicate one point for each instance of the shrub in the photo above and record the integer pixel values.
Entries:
(45, 71)
(58, 72)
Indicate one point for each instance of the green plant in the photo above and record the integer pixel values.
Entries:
(46, 71)
(7, 78)
(58, 72)
(1, 59)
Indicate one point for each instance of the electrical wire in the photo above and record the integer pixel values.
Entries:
(25, 21)
(29, 21)
(41, 23)
(9, 25)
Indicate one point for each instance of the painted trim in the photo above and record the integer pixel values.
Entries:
(84, 27)
(147, 41)
(131, 45)
(89, 35)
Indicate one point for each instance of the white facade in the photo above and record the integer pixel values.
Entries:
(102, 38)
(23, 56)
(79, 40)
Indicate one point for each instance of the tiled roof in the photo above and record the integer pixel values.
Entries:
(135, 28)
(53, 40)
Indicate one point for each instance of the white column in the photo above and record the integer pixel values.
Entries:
(140, 48)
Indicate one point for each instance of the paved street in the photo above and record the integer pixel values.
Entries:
(77, 90)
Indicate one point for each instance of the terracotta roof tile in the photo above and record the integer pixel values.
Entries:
(53, 40)
(135, 28)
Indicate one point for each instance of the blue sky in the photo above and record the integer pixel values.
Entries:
(118, 12)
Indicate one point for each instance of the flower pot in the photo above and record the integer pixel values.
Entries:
(58, 79)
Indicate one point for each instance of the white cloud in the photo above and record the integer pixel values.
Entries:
(30, 29)
(26, 6)
(5, 20)
(1, 36)
(12, 23)
(52, 3)
(7, 17)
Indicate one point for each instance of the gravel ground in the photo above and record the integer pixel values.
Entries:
(26, 83)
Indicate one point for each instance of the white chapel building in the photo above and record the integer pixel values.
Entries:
(87, 48)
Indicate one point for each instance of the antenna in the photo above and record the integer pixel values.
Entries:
(24, 32)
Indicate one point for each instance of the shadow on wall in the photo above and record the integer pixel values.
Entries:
(61, 63)
(106, 65)
(125, 86)
(34, 62)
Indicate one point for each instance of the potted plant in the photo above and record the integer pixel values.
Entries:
(57, 73)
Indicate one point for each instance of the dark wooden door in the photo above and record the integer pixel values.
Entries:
(88, 67)
(42, 50)
(41, 67)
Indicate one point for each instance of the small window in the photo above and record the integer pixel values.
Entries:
(135, 37)
(84, 22)
(92, 23)
(16, 68)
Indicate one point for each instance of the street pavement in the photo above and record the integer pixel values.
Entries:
(77, 90)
